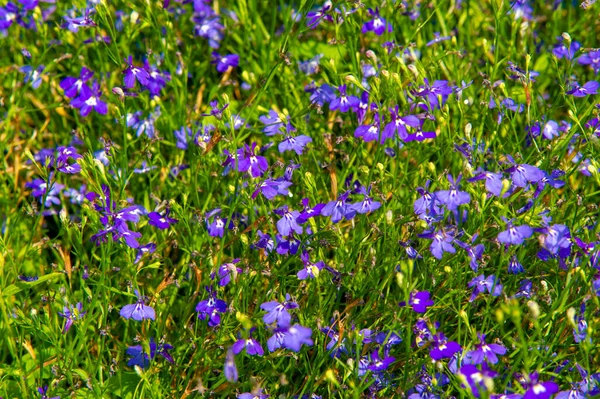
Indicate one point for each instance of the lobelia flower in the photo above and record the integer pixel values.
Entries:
(477, 379)
(224, 62)
(73, 23)
(142, 359)
(230, 370)
(288, 222)
(410, 251)
(344, 102)
(139, 310)
(278, 312)
(484, 352)
(43, 391)
(475, 252)
(251, 345)
(587, 89)
(525, 289)
(32, 75)
(371, 132)
(311, 66)
(514, 266)
(378, 364)
(453, 198)
(420, 136)
(523, 174)
(211, 307)
(367, 205)
(215, 110)
(257, 395)
(227, 271)
(592, 59)
(377, 25)
(248, 161)
(338, 209)
(314, 18)
(442, 241)
(294, 143)
(514, 235)
(157, 79)
(537, 389)
(310, 270)
(481, 284)
(437, 39)
(442, 348)
(419, 301)
(290, 337)
(161, 221)
(40, 189)
(399, 123)
(72, 314)
(320, 95)
(133, 73)
(89, 99)
(560, 49)
(493, 181)
(144, 249)
(265, 242)
(72, 86)
(273, 123)
(287, 245)
(437, 94)
(271, 188)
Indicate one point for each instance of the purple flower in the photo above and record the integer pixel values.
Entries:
(226, 271)
(514, 235)
(249, 161)
(524, 289)
(420, 136)
(278, 312)
(378, 364)
(419, 301)
(338, 209)
(561, 50)
(215, 111)
(44, 390)
(90, 99)
(288, 222)
(320, 95)
(211, 308)
(474, 251)
(216, 227)
(314, 18)
(493, 181)
(453, 198)
(161, 221)
(344, 102)
(144, 249)
(230, 370)
(484, 352)
(33, 75)
(438, 39)
(592, 59)
(72, 86)
(367, 205)
(295, 336)
(481, 284)
(72, 314)
(514, 266)
(294, 143)
(477, 378)
(371, 132)
(271, 188)
(377, 25)
(310, 269)
(587, 89)
(398, 124)
(251, 345)
(133, 73)
(142, 359)
(73, 23)
(139, 310)
(442, 242)
(437, 93)
(273, 123)
(442, 348)
(539, 390)
(224, 62)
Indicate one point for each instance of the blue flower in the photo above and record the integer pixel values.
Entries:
(139, 310)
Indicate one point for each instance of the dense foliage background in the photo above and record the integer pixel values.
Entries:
(295, 199)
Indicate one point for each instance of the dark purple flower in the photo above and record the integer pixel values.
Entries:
(161, 221)
(367, 205)
(514, 266)
(320, 95)
(211, 308)
(442, 348)
(142, 359)
(371, 132)
(437, 93)
(338, 209)
(537, 389)
(227, 271)
(399, 123)
(139, 310)
(310, 269)
(144, 249)
(273, 123)
(524, 289)
(72, 86)
(474, 251)
(248, 161)
(476, 378)
(224, 62)
(271, 188)
(133, 73)
(419, 301)
(442, 241)
(90, 99)
(44, 392)
(378, 364)
(377, 25)
(314, 18)
(73, 23)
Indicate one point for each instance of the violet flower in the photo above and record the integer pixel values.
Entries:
(278, 312)
(211, 308)
(377, 25)
(161, 221)
(139, 310)
(72, 314)
(514, 235)
(224, 62)
(89, 99)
